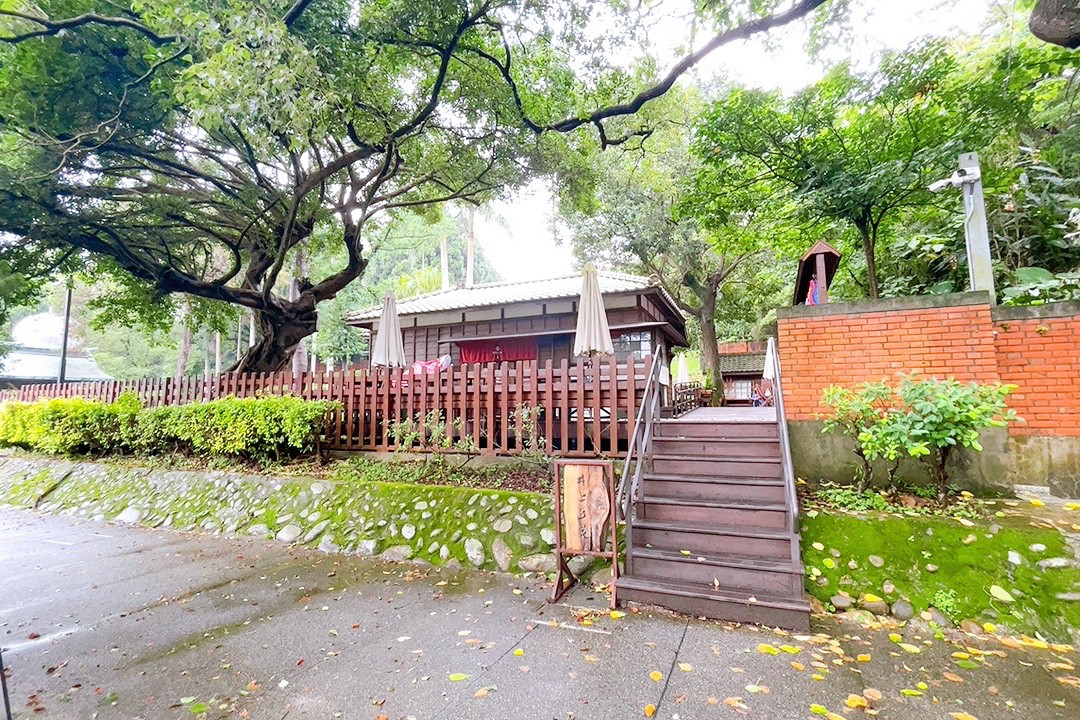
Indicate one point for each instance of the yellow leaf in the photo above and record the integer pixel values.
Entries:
(908, 647)
(519, 652)
(870, 597)
(482, 692)
(458, 677)
(686, 667)
(816, 709)
(895, 637)
(1036, 502)
(650, 710)
(1072, 506)
(732, 702)
(817, 677)
(923, 686)
(863, 658)
(962, 716)
(757, 689)
(989, 627)
(829, 563)
(616, 614)
(856, 701)
(1001, 594)
(834, 716)
(767, 649)
(656, 676)
(791, 649)
(961, 655)
(798, 666)
(911, 693)
(685, 552)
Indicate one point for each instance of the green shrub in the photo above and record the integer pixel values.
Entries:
(925, 418)
(256, 428)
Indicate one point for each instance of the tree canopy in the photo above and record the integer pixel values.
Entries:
(193, 146)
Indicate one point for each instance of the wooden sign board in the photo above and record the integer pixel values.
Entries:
(584, 518)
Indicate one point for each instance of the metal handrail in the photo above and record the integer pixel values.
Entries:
(785, 442)
(649, 409)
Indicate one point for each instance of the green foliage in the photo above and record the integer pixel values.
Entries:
(253, 428)
(924, 418)
(947, 602)
(853, 413)
(1036, 286)
(847, 498)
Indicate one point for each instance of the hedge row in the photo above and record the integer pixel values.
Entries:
(261, 428)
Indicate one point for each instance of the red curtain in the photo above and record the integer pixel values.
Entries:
(498, 350)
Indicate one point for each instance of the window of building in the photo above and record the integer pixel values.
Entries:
(741, 389)
(638, 344)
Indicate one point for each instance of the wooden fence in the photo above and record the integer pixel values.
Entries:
(574, 410)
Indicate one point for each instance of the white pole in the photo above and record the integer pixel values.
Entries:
(980, 266)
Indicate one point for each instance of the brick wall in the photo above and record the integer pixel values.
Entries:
(960, 336)
(1038, 349)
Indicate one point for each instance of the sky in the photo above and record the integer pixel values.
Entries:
(517, 234)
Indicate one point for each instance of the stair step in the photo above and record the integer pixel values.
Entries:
(718, 447)
(782, 578)
(723, 604)
(708, 538)
(676, 464)
(692, 487)
(721, 511)
(687, 428)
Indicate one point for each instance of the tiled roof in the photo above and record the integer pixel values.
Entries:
(743, 363)
(30, 364)
(505, 293)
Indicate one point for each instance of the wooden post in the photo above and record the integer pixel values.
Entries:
(822, 279)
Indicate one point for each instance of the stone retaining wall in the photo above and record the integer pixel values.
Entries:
(489, 529)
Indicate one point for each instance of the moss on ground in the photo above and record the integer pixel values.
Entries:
(960, 585)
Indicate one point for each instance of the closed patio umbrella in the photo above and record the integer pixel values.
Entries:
(682, 373)
(388, 349)
(593, 335)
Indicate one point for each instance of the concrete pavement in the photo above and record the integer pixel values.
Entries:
(106, 621)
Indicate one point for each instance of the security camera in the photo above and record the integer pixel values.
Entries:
(958, 178)
(940, 185)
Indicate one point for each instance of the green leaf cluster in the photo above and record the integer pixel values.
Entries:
(923, 418)
(261, 428)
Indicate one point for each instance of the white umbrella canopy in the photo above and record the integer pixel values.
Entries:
(593, 335)
(388, 350)
(682, 373)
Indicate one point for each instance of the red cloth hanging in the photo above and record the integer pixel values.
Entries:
(498, 350)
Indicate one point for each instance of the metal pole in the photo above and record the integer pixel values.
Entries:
(3, 684)
(64, 343)
(980, 267)
(217, 353)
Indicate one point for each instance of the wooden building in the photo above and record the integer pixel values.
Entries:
(532, 320)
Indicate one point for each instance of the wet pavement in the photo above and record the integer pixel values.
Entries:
(106, 621)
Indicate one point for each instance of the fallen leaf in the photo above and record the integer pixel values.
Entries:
(518, 652)
(1036, 502)
(863, 658)
(908, 647)
(650, 710)
(616, 614)
(872, 695)
(798, 666)
(962, 716)
(656, 676)
(458, 677)
(1001, 594)
(767, 649)
(952, 677)
(911, 692)
(733, 702)
(856, 701)
(757, 689)
(816, 709)
(686, 667)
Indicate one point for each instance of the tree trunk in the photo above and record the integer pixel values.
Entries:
(1056, 22)
(300, 356)
(868, 243)
(470, 244)
(185, 343)
(710, 356)
(281, 330)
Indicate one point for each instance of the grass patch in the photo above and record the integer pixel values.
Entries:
(437, 470)
(960, 587)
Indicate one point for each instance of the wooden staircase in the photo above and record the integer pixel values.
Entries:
(713, 524)
(710, 533)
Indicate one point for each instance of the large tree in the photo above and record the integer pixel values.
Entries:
(654, 210)
(194, 145)
(855, 147)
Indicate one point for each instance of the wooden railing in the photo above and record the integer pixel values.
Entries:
(575, 410)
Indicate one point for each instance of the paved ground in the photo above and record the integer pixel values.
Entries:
(114, 622)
